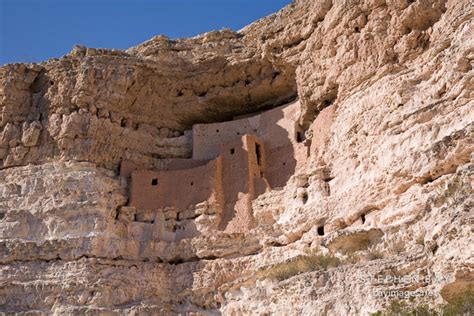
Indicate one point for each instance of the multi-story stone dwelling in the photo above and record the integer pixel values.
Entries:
(232, 163)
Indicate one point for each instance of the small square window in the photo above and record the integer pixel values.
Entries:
(154, 181)
(232, 151)
(321, 230)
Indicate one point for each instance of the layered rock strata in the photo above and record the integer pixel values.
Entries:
(386, 91)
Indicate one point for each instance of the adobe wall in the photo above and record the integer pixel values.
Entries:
(275, 128)
(208, 139)
(240, 168)
(178, 188)
(278, 126)
(182, 163)
(278, 130)
(127, 167)
(231, 178)
(237, 176)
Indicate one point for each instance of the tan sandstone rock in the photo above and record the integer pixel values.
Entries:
(381, 168)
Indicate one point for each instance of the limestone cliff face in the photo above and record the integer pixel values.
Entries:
(386, 90)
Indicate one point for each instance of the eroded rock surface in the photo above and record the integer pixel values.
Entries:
(386, 95)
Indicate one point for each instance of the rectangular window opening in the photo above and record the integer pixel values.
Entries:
(154, 181)
(299, 137)
(258, 152)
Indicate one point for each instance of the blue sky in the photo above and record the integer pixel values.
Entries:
(35, 30)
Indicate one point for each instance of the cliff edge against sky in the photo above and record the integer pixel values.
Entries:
(385, 101)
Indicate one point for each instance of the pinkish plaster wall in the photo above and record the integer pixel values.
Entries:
(240, 168)
(235, 176)
(179, 188)
(167, 164)
(277, 128)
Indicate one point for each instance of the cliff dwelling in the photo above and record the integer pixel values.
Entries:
(319, 161)
(232, 163)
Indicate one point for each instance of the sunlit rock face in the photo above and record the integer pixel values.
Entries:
(381, 182)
